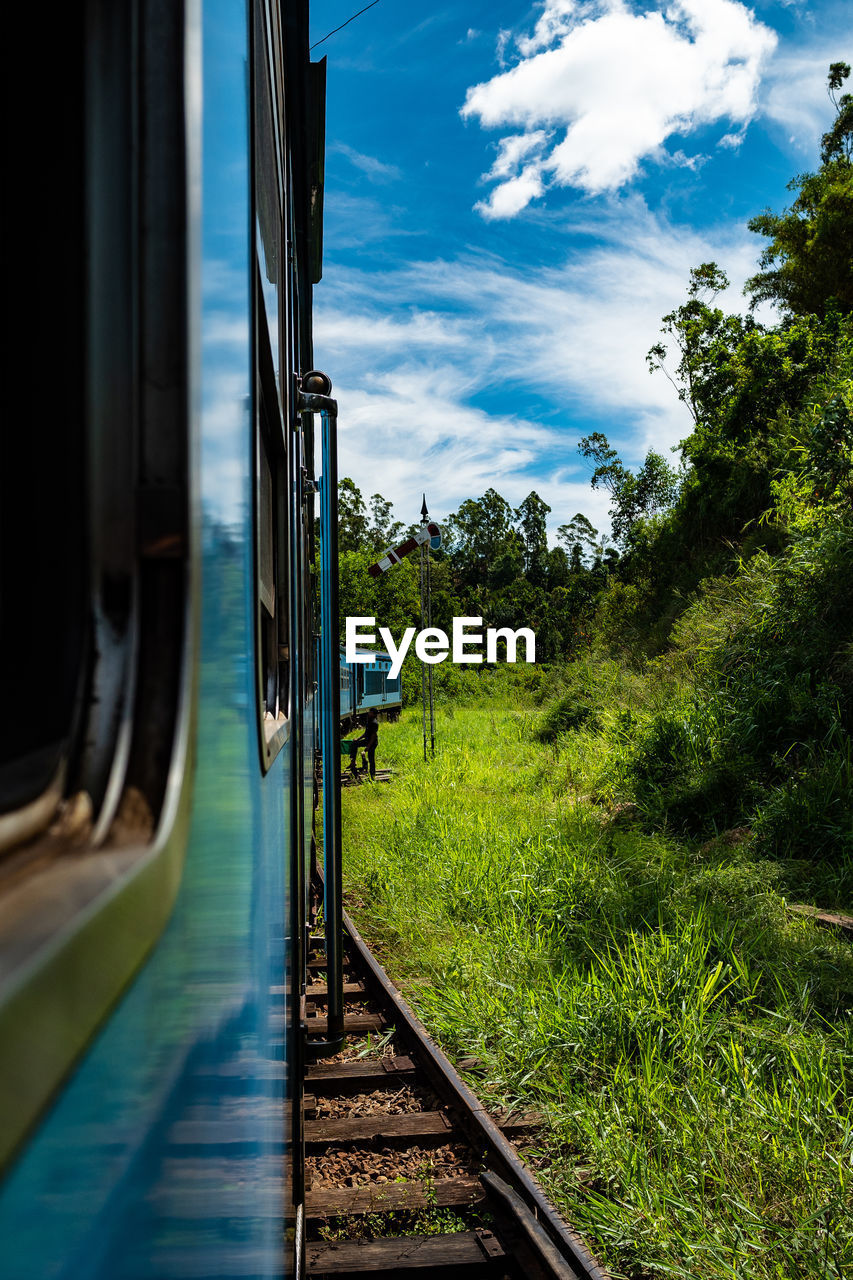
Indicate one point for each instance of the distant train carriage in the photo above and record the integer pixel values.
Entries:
(369, 686)
(348, 688)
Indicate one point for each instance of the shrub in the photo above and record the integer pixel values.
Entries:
(565, 714)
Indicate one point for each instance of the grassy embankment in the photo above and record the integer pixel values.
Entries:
(685, 1038)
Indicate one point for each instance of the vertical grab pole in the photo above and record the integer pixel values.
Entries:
(310, 402)
(330, 613)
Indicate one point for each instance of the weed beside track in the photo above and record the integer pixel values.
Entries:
(685, 1037)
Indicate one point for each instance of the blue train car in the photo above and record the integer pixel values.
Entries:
(348, 681)
(161, 722)
(368, 686)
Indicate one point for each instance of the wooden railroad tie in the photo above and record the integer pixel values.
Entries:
(393, 1197)
(411, 1126)
(476, 1253)
(353, 1023)
(336, 1078)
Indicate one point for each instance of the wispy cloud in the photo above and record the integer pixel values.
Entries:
(614, 85)
(795, 96)
(354, 221)
(417, 353)
(373, 169)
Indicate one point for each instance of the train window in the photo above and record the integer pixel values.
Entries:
(266, 568)
(272, 562)
(43, 518)
(267, 187)
(374, 683)
(109, 549)
(273, 478)
(96, 561)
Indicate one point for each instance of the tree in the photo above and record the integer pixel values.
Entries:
(393, 598)
(808, 265)
(558, 569)
(837, 143)
(742, 383)
(532, 516)
(703, 336)
(633, 497)
(352, 517)
(580, 538)
(383, 531)
(508, 565)
(478, 535)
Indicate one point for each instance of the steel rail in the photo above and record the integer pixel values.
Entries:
(485, 1135)
(532, 1245)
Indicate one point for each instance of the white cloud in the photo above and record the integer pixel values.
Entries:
(518, 147)
(617, 84)
(413, 432)
(555, 21)
(357, 221)
(516, 189)
(457, 375)
(513, 195)
(420, 330)
(796, 98)
(375, 170)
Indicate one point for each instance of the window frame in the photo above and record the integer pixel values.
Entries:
(66, 951)
(271, 434)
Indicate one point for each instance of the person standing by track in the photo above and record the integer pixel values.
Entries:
(368, 741)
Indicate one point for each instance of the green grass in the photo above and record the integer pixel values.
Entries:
(685, 1038)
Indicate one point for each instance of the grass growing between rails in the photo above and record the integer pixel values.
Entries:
(685, 1039)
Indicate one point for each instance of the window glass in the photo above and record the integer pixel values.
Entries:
(273, 614)
(273, 471)
(268, 224)
(374, 683)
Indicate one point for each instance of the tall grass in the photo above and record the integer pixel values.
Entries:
(685, 1039)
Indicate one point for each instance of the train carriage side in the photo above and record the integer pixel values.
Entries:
(348, 680)
(393, 695)
(369, 686)
(156, 763)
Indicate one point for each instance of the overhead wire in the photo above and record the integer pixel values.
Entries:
(344, 24)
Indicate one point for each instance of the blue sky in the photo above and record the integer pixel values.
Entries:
(514, 197)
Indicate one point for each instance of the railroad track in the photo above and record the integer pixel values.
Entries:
(834, 920)
(398, 1148)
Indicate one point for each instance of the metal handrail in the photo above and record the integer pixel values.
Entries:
(313, 402)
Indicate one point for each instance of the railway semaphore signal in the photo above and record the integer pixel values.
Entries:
(426, 620)
(428, 532)
(427, 537)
